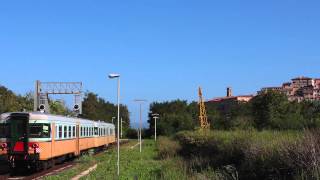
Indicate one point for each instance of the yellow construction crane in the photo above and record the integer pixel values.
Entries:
(204, 124)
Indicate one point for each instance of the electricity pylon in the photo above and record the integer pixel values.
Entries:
(204, 124)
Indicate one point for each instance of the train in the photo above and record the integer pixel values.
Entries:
(39, 140)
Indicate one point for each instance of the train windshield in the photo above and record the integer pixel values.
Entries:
(4, 130)
(39, 130)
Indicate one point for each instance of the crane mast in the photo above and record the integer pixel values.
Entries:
(204, 124)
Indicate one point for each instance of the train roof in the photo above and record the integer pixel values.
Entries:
(44, 116)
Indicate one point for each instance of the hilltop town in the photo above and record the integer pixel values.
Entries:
(298, 89)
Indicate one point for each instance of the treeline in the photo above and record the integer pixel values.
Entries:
(94, 107)
(10, 102)
(271, 110)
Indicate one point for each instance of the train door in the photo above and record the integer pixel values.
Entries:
(18, 133)
(78, 140)
(53, 137)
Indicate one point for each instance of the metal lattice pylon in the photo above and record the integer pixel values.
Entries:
(43, 89)
(204, 124)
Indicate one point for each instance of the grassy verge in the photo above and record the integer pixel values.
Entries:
(214, 155)
(133, 164)
(252, 154)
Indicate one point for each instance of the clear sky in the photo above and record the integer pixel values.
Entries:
(163, 49)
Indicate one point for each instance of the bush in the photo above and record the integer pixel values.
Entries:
(252, 154)
(167, 148)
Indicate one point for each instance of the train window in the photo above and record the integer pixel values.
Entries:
(86, 131)
(60, 132)
(65, 133)
(4, 130)
(81, 131)
(70, 132)
(96, 131)
(57, 130)
(74, 131)
(39, 130)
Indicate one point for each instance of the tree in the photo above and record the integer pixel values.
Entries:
(96, 108)
(58, 108)
(10, 102)
(175, 116)
(272, 110)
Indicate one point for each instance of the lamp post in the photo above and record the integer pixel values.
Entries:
(117, 76)
(155, 117)
(121, 128)
(140, 101)
(113, 119)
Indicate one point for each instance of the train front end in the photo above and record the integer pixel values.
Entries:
(15, 132)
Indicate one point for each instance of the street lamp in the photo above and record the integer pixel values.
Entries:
(121, 128)
(117, 76)
(113, 119)
(140, 101)
(155, 116)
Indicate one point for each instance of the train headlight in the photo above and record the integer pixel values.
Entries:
(35, 146)
(4, 146)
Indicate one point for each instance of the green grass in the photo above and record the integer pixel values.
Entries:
(253, 154)
(82, 164)
(215, 155)
(133, 165)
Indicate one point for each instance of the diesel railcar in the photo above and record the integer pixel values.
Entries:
(38, 140)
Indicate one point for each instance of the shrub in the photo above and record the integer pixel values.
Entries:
(252, 154)
(167, 147)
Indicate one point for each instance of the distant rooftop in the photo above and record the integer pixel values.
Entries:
(302, 78)
(217, 99)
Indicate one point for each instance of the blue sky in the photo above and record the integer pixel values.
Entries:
(163, 49)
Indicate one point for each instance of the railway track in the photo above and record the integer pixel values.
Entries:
(25, 175)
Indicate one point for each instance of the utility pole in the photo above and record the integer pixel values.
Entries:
(155, 117)
(140, 101)
(113, 119)
(117, 76)
(121, 128)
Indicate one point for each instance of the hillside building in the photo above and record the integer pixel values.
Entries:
(300, 88)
